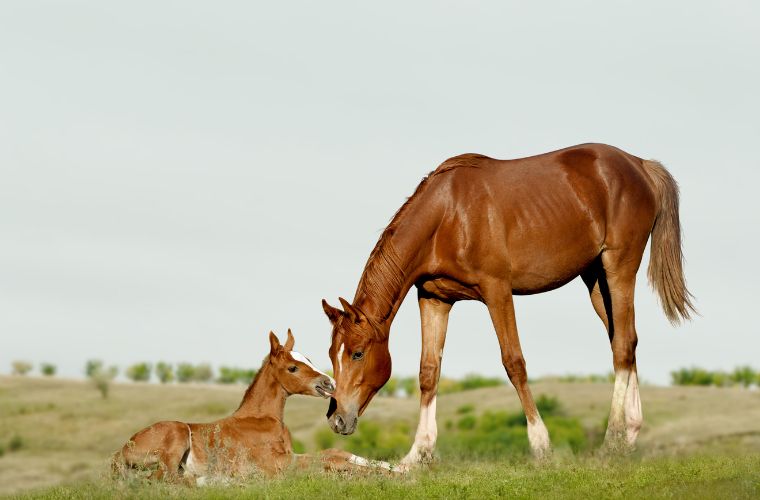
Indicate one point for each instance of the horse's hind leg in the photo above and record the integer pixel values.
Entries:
(611, 288)
(596, 281)
(162, 445)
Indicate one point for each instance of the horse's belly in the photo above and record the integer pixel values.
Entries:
(551, 262)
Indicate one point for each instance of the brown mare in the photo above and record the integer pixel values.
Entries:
(483, 229)
(254, 437)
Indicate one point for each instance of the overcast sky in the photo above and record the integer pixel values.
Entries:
(178, 178)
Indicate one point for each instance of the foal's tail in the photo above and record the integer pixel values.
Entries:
(665, 271)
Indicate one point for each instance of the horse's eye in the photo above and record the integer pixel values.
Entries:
(292, 369)
(357, 355)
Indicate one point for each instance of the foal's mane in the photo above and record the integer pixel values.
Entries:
(248, 391)
(383, 273)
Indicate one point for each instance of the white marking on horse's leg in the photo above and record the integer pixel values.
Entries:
(424, 439)
(538, 437)
(200, 481)
(616, 422)
(633, 416)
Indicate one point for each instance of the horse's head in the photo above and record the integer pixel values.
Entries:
(361, 363)
(295, 372)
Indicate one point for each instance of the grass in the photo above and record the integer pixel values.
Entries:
(696, 442)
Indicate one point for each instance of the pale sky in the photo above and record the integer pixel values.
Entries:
(178, 178)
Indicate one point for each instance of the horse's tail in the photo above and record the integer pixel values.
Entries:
(665, 271)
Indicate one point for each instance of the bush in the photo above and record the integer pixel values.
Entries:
(185, 372)
(164, 372)
(21, 367)
(380, 443)
(203, 373)
(409, 385)
(16, 443)
(744, 375)
(390, 388)
(232, 375)
(139, 372)
(473, 381)
(48, 369)
(100, 376)
(499, 434)
(691, 376)
(324, 438)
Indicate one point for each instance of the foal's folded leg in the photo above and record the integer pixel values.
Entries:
(163, 444)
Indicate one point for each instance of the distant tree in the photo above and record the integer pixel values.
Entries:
(139, 372)
(247, 376)
(185, 372)
(409, 385)
(203, 373)
(744, 375)
(100, 376)
(164, 372)
(21, 367)
(228, 375)
(48, 369)
(390, 388)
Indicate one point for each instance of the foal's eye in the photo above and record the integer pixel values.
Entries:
(357, 355)
(292, 369)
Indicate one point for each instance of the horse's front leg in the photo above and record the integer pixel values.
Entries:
(434, 318)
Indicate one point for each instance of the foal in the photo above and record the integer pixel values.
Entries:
(253, 436)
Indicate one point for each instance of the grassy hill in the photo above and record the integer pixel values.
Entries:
(62, 432)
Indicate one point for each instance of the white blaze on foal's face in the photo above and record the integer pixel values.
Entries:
(303, 359)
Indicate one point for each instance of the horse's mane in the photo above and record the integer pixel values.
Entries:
(383, 273)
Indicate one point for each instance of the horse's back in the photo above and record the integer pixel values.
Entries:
(548, 216)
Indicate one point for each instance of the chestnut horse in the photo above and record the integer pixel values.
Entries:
(254, 437)
(482, 229)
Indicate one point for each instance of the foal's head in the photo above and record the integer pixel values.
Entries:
(295, 372)
(361, 363)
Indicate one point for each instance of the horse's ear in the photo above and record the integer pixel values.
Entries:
(353, 312)
(274, 343)
(333, 313)
(290, 342)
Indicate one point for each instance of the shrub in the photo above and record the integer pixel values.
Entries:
(473, 381)
(100, 376)
(390, 388)
(744, 375)
(548, 405)
(164, 372)
(48, 369)
(21, 367)
(203, 373)
(298, 446)
(465, 409)
(409, 385)
(691, 376)
(380, 443)
(232, 375)
(16, 443)
(185, 372)
(139, 372)
(324, 438)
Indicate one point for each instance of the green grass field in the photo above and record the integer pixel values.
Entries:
(57, 435)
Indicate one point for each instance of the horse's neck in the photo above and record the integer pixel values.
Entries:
(392, 268)
(264, 398)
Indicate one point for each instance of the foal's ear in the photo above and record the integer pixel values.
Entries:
(290, 342)
(333, 313)
(353, 312)
(274, 343)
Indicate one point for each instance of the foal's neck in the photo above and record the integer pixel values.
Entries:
(265, 397)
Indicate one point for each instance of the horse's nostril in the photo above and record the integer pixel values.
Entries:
(339, 422)
(327, 383)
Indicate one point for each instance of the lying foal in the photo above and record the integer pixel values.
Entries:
(254, 437)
